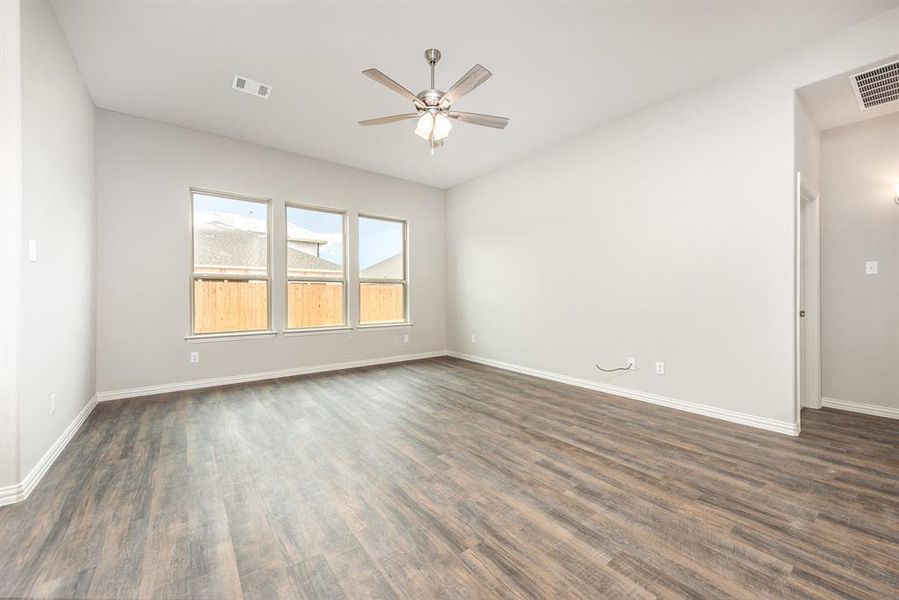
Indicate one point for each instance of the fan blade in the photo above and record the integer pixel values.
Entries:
(476, 119)
(391, 119)
(475, 77)
(390, 83)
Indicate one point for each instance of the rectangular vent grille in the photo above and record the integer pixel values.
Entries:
(877, 86)
(252, 87)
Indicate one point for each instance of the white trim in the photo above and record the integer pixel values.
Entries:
(316, 331)
(201, 338)
(360, 280)
(860, 407)
(151, 390)
(797, 300)
(691, 407)
(371, 326)
(269, 266)
(21, 491)
(345, 280)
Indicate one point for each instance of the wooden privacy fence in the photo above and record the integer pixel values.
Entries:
(314, 304)
(382, 302)
(230, 305)
(221, 306)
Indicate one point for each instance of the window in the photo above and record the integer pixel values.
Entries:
(316, 273)
(382, 271)
(231, 280)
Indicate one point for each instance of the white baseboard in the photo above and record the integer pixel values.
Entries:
(21, 491)
(196, 384)
(784, 427)
(859, 407)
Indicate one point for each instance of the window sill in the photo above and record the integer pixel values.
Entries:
(315, 331)
(202, 338)
(384, 325)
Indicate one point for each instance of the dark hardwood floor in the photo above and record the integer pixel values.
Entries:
(446, 479)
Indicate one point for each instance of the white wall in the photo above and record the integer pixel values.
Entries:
(807, 147)
(860, 222)
(673, 236)
(10, 240)
(145, 170)
(57, 351)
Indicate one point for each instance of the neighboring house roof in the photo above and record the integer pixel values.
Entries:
(389, 268)
(297, 259)
(220, 245)
(250, 223)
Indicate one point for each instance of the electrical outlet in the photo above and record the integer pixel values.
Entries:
(474, 338)
(660, 368)
(194, 357)
(52, 404)
(632, 363)
(406, 338)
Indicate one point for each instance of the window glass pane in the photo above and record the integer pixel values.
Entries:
(381, 249)
(314, 304)
(221, 305)
(314, 243)
(382, 302)
(230, 236)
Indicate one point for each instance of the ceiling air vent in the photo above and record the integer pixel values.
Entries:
(877, 86)
(252, 87)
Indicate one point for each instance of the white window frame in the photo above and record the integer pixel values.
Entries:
(288, 279)
(362, 280)
(194, 275)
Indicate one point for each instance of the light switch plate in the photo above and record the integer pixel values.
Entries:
(871, 267)
(32, 251)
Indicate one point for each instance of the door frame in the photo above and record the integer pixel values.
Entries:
(807, 298)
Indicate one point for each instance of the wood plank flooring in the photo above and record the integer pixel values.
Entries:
(446, 479)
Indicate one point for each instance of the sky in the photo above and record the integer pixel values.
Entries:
(321, 226)
(378, 239)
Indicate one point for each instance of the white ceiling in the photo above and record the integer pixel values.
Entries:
(832, 102)
(558, 68)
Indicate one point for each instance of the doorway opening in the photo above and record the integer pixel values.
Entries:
(847, 247)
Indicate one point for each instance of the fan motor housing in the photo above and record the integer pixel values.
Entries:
(430, 97)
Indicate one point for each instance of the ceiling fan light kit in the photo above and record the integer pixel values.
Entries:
(434, 107)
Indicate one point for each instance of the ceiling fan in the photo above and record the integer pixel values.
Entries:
(434, 107)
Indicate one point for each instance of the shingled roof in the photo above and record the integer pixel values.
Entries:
(389, 268)
(219, 246)
(298, 259)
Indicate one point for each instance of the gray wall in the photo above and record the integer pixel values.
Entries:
(58, 341)
(859, 223)
(665, 236)
(145, 170)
